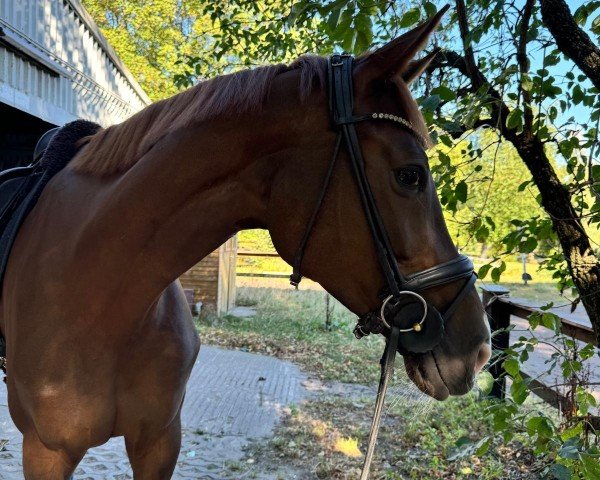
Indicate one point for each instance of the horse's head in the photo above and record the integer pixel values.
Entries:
(341, 252)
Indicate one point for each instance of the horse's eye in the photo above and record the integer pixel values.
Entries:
(409, 176)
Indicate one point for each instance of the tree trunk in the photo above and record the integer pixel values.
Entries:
(571, 39)
(556, 200)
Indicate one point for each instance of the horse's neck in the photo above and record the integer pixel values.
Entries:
(190, 193)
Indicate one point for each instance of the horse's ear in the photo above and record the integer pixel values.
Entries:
(416, 67)
(395, 57)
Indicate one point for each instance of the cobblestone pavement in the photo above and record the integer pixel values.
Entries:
(233, 398)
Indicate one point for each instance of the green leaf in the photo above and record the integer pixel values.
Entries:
(582, 13)
(363, 41)
(483, 270)
(591, 465)
(485, 382)
(596, 25)
(447, 141)
(577, 95)
(430, 9)
(523, 185)
(444, 93)
(587, 351)
(364, 25)
(431, 103)
(411, 17)
(551, 60)
(558, 471)
(529, 245)
(550, 321)
(334, 18)
(482, 446)
(526, 83)
(462, 447)
(461, 191)
(511, 366)
(534, 320)
(566, 149)
(550, 89)
(540, 426)
(465, 447)
(519, 391)
(349, 40)
(515, 119)
(497, 272)
(572, 433)
(343, 26)
(482, 234)
(569, 451)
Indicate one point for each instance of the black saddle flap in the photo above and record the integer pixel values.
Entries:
(17, 196)
(12, 182)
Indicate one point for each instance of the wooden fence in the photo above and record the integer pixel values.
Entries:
(263, 274)
(505, 311)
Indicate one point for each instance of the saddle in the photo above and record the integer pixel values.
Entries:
(20, 188)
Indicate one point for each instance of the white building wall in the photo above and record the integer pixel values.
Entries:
(56, 65)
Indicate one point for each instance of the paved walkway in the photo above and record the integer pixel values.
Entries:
(233, 398)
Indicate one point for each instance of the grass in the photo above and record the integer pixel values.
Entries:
(290, 324)
(321, 438)
(420, 438)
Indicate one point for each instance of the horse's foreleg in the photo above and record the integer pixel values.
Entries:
(155, 459)
(42, 463)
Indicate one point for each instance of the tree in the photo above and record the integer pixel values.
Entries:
(153, 37)
(570, 38)
(515, 104)
(501, 69)
(484, 196)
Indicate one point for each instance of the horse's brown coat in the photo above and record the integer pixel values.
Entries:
(100, 340)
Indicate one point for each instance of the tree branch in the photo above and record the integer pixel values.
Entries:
(556, 200)
(463, 26)
(571, 39)
(451, 59)
(523, 62)
(459, 132)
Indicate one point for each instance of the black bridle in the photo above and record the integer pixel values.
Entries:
(410, 323)
(401, 300)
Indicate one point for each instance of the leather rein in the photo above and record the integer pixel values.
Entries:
(408, 321)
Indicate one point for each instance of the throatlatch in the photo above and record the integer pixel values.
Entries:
(410, 323)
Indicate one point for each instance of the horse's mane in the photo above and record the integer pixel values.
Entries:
(117, 148)
(120, 146)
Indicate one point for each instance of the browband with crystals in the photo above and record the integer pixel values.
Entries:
(385, 116)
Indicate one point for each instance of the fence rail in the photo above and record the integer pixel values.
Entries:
(250, 253)
(263, 274)
(499, 308)
(260, 274)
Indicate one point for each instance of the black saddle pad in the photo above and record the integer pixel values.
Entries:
(20, 188)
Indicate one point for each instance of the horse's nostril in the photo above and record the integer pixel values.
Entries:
(484, 354)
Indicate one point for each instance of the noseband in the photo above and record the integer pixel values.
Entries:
(410, 323)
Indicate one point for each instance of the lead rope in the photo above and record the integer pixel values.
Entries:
(387, 370)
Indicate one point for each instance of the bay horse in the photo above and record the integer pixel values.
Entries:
(100, 340)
